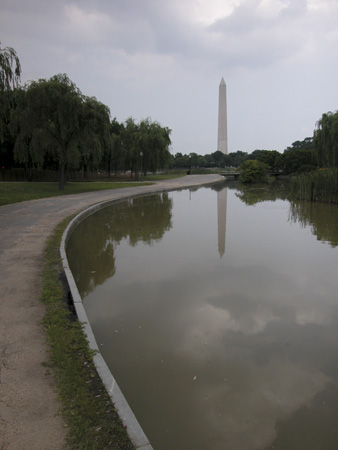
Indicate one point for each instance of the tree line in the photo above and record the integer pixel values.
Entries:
(320, 150)
(298, 157)
(50, 124)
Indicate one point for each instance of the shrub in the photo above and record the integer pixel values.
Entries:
(253, 171)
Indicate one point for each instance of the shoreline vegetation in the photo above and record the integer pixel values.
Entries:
(86, 407)
(320, 185)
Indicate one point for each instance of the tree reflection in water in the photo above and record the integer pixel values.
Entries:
(91, 247)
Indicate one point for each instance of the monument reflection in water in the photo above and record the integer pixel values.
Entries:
(223, 340)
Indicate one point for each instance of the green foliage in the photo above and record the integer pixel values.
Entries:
(296, 160)
(10, 69)
(235, 159)
(113, 155)
(53, 118)
(55, 126)
(268, 157)
(10, 72)
(326, 140)
(319, 185)
(94, 136)
(213, 160)
(306, 144)
(145, 145)
(218, 159)
(253, 171)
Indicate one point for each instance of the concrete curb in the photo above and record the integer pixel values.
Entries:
(135, 432)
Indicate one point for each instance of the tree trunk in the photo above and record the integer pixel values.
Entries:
(62, 176)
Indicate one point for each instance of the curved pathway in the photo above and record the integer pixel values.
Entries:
(29, 406)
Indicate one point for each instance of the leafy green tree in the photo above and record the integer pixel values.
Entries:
(28, 150)
(253, 171)
(268, 157)
(306, 144)
(235, 159)
(129, 142)
(94, 135)
(49, 120)
(7, 139)
(326, 140)
(10, 73)
(194, 159)
(218, 158)
(154, 142)
(181, 161)
(296, 160)
(202, 161)
(209, 161)
(146, 144)
(113, 152)
(161, 145)
(10, 69)
(53, 118)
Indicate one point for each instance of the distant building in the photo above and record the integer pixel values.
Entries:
(222, 143)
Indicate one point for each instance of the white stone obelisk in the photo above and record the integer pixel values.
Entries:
(222, 143)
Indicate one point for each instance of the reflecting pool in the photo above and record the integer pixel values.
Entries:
(217, 312)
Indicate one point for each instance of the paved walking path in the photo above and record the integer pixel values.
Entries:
(29, 406)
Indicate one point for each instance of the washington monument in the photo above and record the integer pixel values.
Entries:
(222, 143)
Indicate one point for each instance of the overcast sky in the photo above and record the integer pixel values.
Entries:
(164, 59)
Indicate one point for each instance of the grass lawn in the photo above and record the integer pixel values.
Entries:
(12, 192)
(164, 177)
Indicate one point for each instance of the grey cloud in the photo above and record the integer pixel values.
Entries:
(127, 49)
(247, 38)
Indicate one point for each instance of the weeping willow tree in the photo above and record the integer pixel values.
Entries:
(146, 145)
(94, 136)
(54, 119)
(326, 140)
(10, 69)
(10, 73)
(321, 184)
(154, 142)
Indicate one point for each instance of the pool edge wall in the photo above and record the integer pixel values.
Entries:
(128, 418)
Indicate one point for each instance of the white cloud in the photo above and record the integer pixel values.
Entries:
(205, 12)
(87, 22)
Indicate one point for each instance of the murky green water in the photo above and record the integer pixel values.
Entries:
(218, 316)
